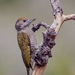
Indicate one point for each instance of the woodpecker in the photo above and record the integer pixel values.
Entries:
(26, 41)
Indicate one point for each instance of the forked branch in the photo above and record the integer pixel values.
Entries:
(44, 50)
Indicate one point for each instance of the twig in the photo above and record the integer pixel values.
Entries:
(44, 50)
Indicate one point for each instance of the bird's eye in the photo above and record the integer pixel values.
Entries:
(24, 20)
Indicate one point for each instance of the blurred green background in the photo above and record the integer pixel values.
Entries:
(63, 60)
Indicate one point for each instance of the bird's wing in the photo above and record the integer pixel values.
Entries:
(24, 44)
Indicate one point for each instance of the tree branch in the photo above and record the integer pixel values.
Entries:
(44, 49)
(69, 17)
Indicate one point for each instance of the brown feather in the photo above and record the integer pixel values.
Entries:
(24, 44)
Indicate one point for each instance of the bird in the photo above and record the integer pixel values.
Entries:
(26, 41)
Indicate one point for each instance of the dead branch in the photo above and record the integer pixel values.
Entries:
(44, 49)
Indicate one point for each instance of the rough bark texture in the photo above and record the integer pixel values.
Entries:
(44, 49)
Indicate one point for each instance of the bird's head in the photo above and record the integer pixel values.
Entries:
(23, 22)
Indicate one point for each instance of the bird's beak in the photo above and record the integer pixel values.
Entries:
(30, 21)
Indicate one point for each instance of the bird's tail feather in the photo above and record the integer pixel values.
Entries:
(28, 71)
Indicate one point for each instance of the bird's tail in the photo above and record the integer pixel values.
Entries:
(28, 71)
